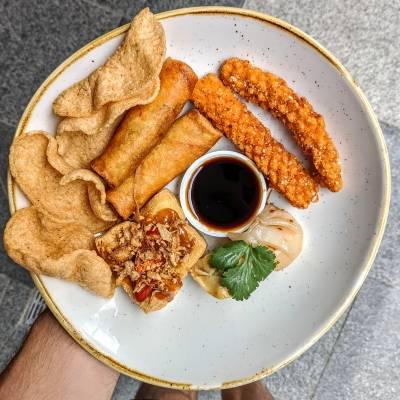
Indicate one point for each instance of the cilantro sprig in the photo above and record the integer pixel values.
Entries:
(243, 267)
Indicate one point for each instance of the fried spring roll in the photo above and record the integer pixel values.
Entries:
(189, 137)
(284, 171)
(308, 128)
(144, 126)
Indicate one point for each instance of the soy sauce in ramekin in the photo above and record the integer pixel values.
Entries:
(224, 193)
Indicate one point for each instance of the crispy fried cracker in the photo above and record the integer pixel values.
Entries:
(41, 183)
(137, 61)
(95, 106)
(96, 192)
(45, 245)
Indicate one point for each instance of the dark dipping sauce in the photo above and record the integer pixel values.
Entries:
(224, 193)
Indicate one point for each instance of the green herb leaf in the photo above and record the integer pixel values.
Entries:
(229, 255)
(243, 266)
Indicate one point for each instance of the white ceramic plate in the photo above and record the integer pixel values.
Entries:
(200, 342)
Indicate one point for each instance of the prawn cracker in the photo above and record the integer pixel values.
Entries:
(96, 193)
(96, 105)
(137, 61)
(41, 183)
(46, 245)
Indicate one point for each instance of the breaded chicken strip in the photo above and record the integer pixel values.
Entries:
(283, 170)
(308, 128)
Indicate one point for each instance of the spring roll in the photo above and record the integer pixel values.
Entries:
(144, 126)
(189, 138)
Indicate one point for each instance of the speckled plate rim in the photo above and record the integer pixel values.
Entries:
(383, 212)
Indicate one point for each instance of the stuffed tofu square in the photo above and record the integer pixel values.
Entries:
(152, 255)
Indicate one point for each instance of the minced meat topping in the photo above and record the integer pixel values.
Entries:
(148, 252)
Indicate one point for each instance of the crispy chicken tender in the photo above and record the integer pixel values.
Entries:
(283, 170)
(308, 128)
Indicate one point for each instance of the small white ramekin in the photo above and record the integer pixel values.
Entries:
(186, 181)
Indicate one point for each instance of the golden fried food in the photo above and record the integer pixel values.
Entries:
(284, 171)
(125, 74)
(82, 139)
(208, 278)
(96, 193)
(55, 159)
(94, 107)
(42, 184)
(188, 138)
(151, 257)
(144, 126)
(308, 128)
(45, 245)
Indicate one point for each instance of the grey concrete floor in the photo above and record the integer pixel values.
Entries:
(359, 357)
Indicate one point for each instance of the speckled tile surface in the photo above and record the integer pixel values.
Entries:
(126, 388)
(4, 281)
(15, 299)
(359, 357)
(39, 35)
(362, 34)
(386, 266)
(300, 378)
(166, 5)
(7, 266)
(365, 363)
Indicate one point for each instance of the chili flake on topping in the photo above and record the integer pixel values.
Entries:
(148, 252)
